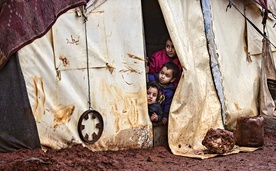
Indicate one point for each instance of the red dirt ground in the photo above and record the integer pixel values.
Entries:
(158, 158)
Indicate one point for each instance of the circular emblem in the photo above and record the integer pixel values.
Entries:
(90, 126)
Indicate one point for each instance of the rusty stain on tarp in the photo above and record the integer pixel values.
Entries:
(73, 40)
(100, 12)
(63, 114)
(58, 75)
(129, 69)
(126, 81)
(64, 60)
(137, 137)
(237, 106)
(131, 138)
(39, 94)
(110, 68)
(124, 106)
(135, 57)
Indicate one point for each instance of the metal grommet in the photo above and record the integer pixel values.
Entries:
(95, 117)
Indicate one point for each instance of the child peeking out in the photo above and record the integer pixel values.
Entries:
(165, 79)
(159, 58)
(154, 107)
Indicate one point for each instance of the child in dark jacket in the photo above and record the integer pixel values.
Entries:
(154, 107)
(165, 79)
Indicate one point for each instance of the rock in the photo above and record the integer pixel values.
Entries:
(250, 131)
(219, 141)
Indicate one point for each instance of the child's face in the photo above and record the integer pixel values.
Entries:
(166, 76)
(170, 49)
(152, 94)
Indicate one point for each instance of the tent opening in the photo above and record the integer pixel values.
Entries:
(154, 26)
(156, 33)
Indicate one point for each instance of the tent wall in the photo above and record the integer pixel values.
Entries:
(155, 27)
(55, 70)
(58, 84)
(196, 107)
(240, 78)
(239, 66)
(17, 124)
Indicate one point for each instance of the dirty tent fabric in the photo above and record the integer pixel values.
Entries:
(240, 57)
(21, 23)
(195, 107)
(57, 75)
(112, 52)
(239, 74)
(264, 50)
(268, 73)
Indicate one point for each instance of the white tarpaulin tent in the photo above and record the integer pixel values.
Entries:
(55, 70)
(111, 44)
(195, 108)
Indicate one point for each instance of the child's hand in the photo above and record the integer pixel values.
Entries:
(164, 121)
(147, 65)
(154, 117)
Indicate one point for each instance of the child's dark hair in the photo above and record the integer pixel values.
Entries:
(168, 38)
(154, 84)
(173, 67)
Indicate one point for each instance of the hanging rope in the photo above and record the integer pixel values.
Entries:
(258, 30)
(87, 65)
(264, 5)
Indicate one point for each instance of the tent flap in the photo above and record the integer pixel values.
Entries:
(196, 107)
(19, 22)
(17, 123)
